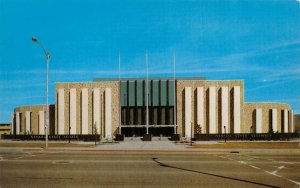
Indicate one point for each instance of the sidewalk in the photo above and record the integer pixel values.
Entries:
(142, 145)
(137, 145)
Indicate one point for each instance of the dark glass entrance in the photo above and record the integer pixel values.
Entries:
(160, 106)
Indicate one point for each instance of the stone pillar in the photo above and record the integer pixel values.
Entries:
(237, 109)
(96, 109)
(274, 120)
(213, 129)
(108, 113)
(200, 108)
(102, 115)
(12, 123)
(28, 122)
(84, 111)
(61, 111)
(18, 123)
(187, 111)
(258, 120)
(291, 122)
(225, 110)
(286, 122)
(73, 109)
(41, 122)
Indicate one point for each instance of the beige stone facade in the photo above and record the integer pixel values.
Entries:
(33, 117)
(297, 122)
(279, 108)
(82, 111)
(202, 106)
(205, 84)
(5, 129)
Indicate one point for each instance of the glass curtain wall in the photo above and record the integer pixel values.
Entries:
(161, 102)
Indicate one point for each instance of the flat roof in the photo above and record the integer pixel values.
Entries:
(150, 78)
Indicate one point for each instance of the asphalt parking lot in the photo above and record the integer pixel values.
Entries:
(96, 168)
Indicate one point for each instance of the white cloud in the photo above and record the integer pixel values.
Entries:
(266, 85)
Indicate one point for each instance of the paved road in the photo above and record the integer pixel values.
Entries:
(35, 168)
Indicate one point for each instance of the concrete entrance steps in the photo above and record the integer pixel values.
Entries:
(153, 139)
(136, 143)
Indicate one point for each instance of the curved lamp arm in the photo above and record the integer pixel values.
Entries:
(47, 54)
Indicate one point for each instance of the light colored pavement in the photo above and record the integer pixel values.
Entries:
(135, 144)
(138, 144)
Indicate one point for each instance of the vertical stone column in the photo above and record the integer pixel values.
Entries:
(96, 109)
(187, 111)
(274, 120)
(258, 112)
(18, 123)
(102, 115)
(225, 109)
(291, 122)
(200, 108)
(213, 129)
(12, 124)
(84, 111)
(237, 109)
(73, 109)
(61, 111)
(108, 110)
(41, 122)
(286, 122)
(28, 122)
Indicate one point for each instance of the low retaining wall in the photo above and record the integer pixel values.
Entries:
(89, 137)
(197, 137)
(247, 136)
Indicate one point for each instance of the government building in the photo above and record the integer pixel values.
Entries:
(160, 107)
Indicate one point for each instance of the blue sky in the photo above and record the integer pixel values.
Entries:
(257, 41)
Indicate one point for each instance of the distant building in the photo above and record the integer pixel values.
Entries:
(110, 107)
(5, 128)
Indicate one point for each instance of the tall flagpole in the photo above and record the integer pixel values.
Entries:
(147, 95)
(120, 93)
(175, 119)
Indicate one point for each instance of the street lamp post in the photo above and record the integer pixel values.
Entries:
(46, 119)
(175, 118)
(147, 98)
(69, 133)
(120, 118)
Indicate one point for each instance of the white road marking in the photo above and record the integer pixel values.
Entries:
(281, 167)
(273, 173)
(242, 162)
(251, 158)
(298, 183)
(255, 167)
